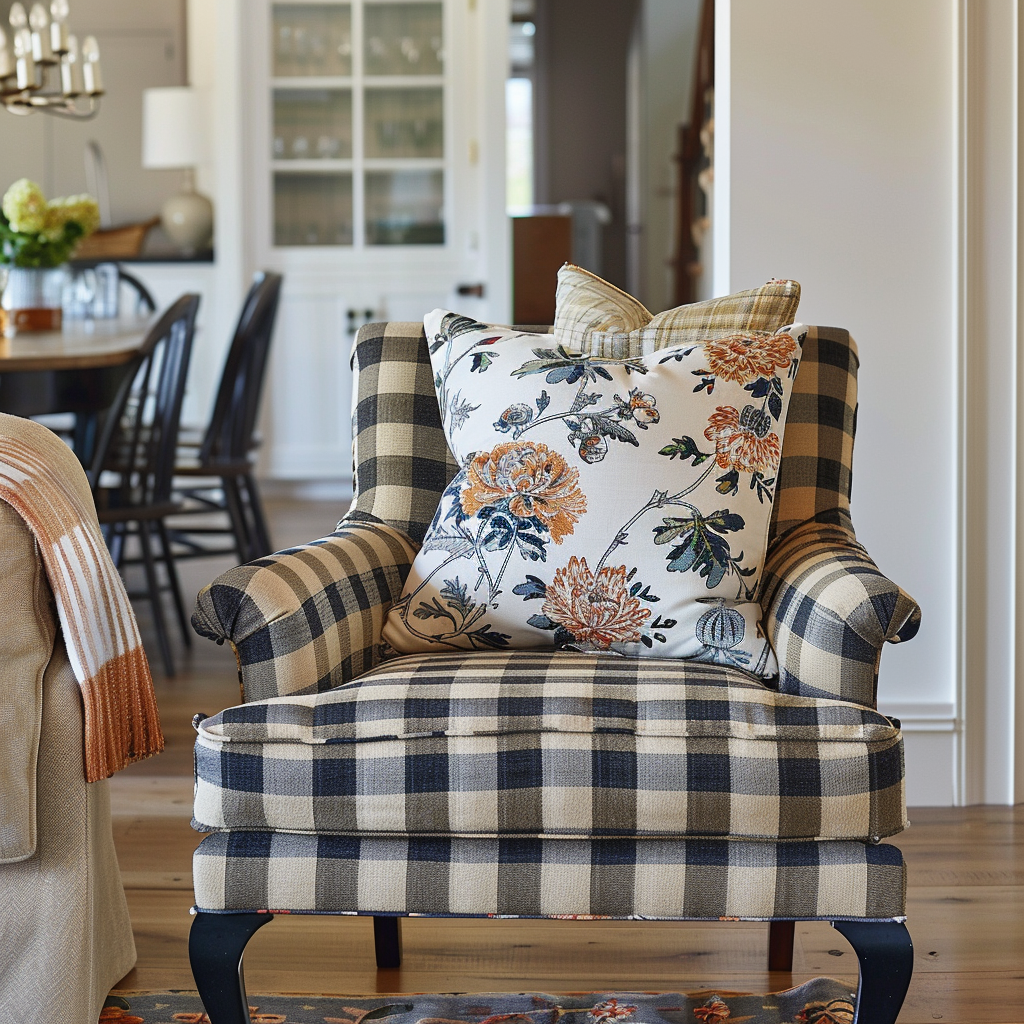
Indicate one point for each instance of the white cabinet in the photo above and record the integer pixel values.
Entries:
(373, 179)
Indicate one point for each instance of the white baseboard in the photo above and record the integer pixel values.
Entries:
(338, 491)
(929, 741)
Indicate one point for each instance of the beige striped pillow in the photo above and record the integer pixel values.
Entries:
(594, 316)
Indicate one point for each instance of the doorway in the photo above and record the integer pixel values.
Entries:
(596, 94)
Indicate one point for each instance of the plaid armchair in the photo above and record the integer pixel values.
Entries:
(551, 784)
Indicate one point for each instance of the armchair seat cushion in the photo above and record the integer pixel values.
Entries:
(543, 744)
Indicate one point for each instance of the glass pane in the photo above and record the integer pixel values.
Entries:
(312, 209)
(312, 39)
(405, 208)
(312, 124)
(403, 39)
(404, 122)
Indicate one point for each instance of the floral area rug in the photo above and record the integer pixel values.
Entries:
(821, 1001)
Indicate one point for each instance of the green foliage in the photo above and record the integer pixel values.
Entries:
(19, 249)
(685, 448)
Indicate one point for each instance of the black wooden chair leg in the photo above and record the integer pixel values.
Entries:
(886, 957)
(236, 513)
(780, 945)
(261, 534)
(173, 582)
(153, 585)
(215, 946)
(387, 941)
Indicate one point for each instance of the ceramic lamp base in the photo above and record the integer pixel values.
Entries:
(188, 220)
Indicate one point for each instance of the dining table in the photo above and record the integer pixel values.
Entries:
(77, 369)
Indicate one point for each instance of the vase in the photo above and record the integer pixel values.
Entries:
(32, 298)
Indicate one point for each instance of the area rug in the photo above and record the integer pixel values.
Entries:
(820, 1001)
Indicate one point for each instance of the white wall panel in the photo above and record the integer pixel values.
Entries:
(841, 174)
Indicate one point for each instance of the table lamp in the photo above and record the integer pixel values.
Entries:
(173, 136)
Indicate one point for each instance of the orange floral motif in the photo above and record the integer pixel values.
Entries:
(111, 1013)
(597, 610)
(612, 1009)
(745, 357)
(742, 440)
(836, 1011)
(714, 1011)
(529, 480)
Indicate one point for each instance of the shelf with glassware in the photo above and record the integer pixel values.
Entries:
(364, 137)
(358, 142)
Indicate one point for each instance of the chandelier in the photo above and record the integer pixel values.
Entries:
(42, 67)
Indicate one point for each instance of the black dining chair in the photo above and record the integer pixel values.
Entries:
(216, 471)
(132, 469)
(128, 282)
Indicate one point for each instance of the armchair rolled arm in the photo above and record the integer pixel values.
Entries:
(309, 618)
(828, 612)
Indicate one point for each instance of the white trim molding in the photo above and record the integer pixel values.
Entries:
(987, 180)
(922, 716)
(931, 741)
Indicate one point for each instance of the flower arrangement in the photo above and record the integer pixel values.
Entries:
(38, 234)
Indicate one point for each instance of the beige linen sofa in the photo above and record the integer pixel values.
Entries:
(65, 935)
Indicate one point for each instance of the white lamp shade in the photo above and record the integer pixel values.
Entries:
(173, 122)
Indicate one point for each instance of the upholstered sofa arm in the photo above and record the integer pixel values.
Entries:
(828, 611)
(309, 618)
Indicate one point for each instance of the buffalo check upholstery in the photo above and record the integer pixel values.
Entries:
(548, 783)
(564, 878)
(546, 744)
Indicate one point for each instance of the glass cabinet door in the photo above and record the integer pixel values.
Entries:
(358, 123)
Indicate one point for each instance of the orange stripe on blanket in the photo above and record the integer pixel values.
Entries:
(41, 479)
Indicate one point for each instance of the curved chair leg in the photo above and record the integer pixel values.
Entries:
(215, 946)
(387, 941)
(886, 957)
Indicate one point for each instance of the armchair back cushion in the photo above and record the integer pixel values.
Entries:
(402, 462)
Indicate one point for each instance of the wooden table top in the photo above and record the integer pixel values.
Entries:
(81, 345)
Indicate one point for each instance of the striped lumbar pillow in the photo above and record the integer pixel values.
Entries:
(595, 317)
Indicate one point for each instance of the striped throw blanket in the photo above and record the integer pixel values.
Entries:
(41, 479)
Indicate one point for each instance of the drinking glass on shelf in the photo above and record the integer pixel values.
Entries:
(327, 147)
(403, 38)
(312, 39)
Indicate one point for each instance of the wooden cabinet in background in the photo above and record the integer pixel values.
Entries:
(540, 245)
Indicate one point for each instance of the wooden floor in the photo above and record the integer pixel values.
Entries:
(966, 897)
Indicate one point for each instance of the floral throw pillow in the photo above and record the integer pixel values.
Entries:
(603, 505)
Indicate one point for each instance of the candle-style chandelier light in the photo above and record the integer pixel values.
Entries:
(42, 67)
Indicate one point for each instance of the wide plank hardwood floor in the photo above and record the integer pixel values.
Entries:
(965, 903)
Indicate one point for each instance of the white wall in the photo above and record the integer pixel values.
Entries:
(841, 129)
